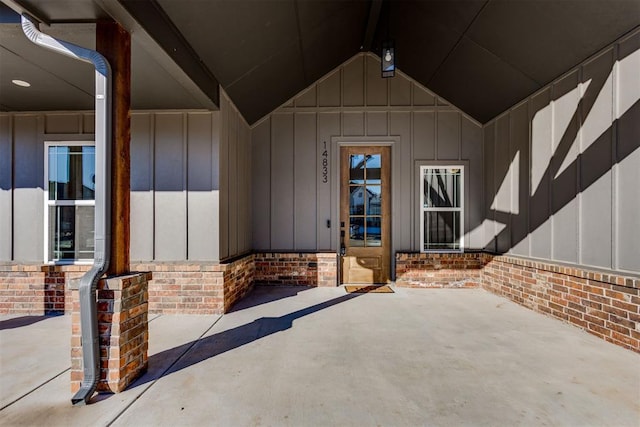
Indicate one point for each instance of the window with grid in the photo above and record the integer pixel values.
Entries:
(441, 201)
(70, 201)
(365, 200)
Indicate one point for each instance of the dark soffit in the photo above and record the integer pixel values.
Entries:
(481, 55)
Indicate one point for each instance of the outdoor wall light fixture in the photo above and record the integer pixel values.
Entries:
(388, 59)
(21, 83)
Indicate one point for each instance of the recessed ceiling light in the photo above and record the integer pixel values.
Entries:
(21, 83)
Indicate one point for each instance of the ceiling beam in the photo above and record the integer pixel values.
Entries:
(156, 23)
(372, 23)
(117, 11)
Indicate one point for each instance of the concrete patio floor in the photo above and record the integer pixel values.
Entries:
(300, 356)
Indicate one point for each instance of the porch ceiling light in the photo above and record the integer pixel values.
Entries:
(21, 83)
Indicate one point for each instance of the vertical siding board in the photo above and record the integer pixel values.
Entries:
(401, 214)
(353, 124)
(424, 142)
(240, 187)
(233, 195)
(540, 117)
(329, 91)
(328, 126)
(490, 188)
(142, 212)
(471, 136)
(216, 130)
(377, 123)
(502, 183)
(261, 185)
(307, 98)
(305, 181)
(422, 97)
(563, 190)
(353, 85)
(6, 187)
(282, 167)
(448, 135)
(595, 165)
(28, 198)
(245, 170)
(399, 91)
(170, 195)
(520, 180)
(200, 202)
(376, 85)
(627, 109)
(223, 210)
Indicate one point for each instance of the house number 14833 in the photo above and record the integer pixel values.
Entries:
(325, 163)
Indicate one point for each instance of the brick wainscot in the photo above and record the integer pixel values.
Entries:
(606, 305)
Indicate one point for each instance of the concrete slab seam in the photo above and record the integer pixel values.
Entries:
(119, 414)
(35, 388)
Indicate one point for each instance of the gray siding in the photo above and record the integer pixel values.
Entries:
(627, 156)
(292, 203)
(6, 187)
(175, 182)
(234, 202)
(189, 187)
(142, 186)
(261, 185)
(575, 196)
(28, 201)
(22, 157)
(190, 190)
(170, 196)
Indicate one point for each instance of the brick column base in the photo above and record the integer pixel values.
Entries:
(123, 329)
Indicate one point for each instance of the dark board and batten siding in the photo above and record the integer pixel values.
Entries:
(291, 200)
(566, 166)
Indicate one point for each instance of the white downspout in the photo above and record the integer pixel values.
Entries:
(102, 230)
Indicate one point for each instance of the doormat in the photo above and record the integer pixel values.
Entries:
(369, 289)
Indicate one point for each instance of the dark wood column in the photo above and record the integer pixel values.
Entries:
(114, 43)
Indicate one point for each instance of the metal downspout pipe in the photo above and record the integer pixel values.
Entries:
(102, 230)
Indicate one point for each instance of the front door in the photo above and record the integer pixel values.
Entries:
(365, 214)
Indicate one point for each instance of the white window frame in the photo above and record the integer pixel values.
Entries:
(48, 258)
(424, 209)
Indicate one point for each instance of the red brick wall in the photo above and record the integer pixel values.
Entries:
(446, 270)
(197, 287)
(123, 332)
(21, 289)
(605, 305)
(306, 269)
(37, 289)
(184, 287)
(238, 280)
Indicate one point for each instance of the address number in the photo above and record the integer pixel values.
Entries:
(325, 163)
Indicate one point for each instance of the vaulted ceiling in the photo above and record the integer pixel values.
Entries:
(481, 55)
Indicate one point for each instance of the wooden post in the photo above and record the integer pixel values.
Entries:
(114, 43)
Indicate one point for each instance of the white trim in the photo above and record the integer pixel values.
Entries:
(460, 209)
(48, 203)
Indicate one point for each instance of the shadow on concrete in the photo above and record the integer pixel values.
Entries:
(19, 322)
(197, 351)
(263, 294)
